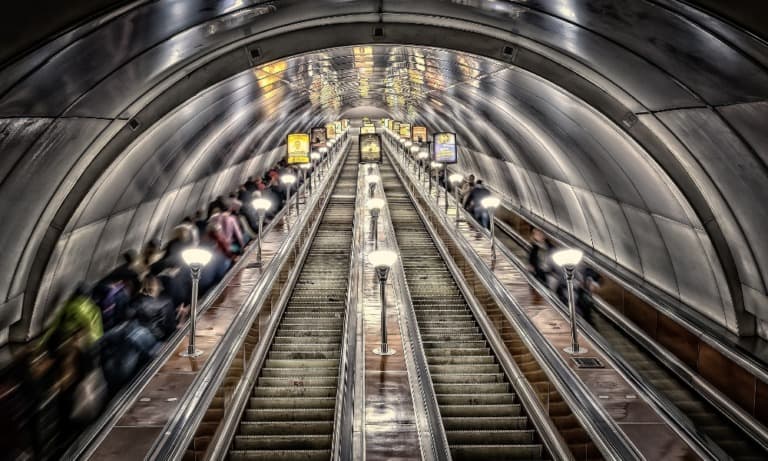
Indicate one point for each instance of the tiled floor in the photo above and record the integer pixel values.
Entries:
(647, 430)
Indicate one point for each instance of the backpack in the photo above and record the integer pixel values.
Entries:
(157, 315)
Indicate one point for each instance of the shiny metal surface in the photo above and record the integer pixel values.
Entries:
(555, 445)
(181, 427)
(603, 431)
(601, 69)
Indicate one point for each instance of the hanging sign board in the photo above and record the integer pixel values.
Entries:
(405, 130)
(345, 123)
(370, 148)
(367, 129)
(330, 131)
(444, 148)
(419, 134)
(339, 128)
(298, 148)
(396, 127)
(318, 138)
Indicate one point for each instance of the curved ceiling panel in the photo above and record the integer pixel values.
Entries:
(628, 126)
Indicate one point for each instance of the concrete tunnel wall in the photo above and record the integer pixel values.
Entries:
(633, 128)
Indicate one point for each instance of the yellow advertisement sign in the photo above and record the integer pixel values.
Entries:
(367, 129)
(330, 130)
(419, 134)
(444, 148)
(405, 130)
(370, 148)
(298, 148)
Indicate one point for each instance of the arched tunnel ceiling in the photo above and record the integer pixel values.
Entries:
(631, 127)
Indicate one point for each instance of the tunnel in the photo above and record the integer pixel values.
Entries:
(632, 130)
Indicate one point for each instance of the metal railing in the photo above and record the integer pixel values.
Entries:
(87, 443)
(437, 448)
(593, 417)
(682, 425)
(180, 429)
(342, 441)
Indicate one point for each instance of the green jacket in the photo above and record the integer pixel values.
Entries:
(79, 313)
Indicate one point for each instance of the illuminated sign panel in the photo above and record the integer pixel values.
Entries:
(330, 130)
(345, 123)
(298, 148)
(370, 148)
(339, 128)
(319, 137)
(367, 129)
(419, 134)
(405, 130)
(396, 127)
(444, 148)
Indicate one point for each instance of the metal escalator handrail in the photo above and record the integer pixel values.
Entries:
(551, 438)
(439, 448)
(678, 421)
(342, 440)
(180, 429)
(86, 444)
(702, 328)
(663, 405)
(604, 432)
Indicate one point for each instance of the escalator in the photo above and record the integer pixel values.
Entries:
(481, 414)
(290, 413)
(705, 417)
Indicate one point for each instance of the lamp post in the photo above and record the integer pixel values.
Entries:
(382, 260)
(371, 180)
(289, 180)
(568, 259)
(414, 152)
(304, 169)
(195, 258)
(329, 143)
(455, 179)
(262, 205)
(490, 204)
(422, 156)
(436, 167)
(374, 206)
(315, 156)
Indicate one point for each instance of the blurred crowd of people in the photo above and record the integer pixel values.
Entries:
(586, 280)
(102, 336)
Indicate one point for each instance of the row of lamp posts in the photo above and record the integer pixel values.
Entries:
(196, 258)
(568, 259)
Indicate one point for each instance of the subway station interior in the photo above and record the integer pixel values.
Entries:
(384, 230)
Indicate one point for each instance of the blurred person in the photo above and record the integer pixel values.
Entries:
(189, 223)
(538, 255)
(79, 312)
(152, 252)
(154, 310)
(588, 286)
(466, 186)
(473, 203)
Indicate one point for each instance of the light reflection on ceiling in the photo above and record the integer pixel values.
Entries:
(399, 79)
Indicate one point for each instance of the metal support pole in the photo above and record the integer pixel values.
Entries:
(375, 228)
(371, 189)
(191, 350)
(493, 236)
(258, 254)
(456, 196)
(430, 181)
(288, 205)
(574, 348)
(383, 349)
